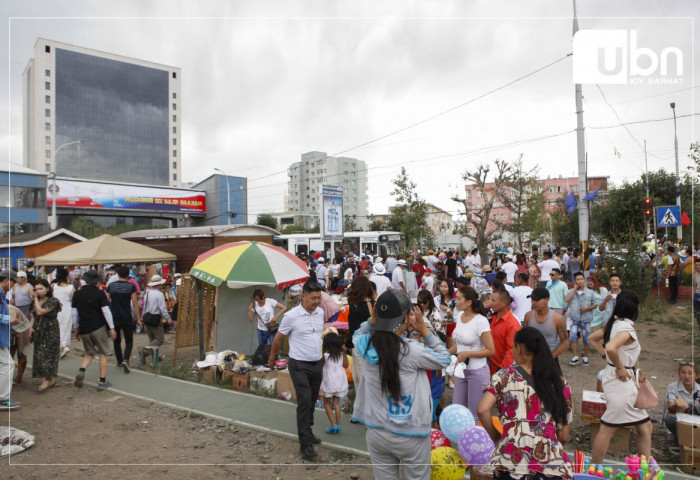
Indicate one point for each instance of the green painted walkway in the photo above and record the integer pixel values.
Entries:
(251, 411)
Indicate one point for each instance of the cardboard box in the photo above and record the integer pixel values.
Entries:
(284, 383)
(690, 459)
(240, 381)
(592, 406)
(208, 375)
(620, 442)
(688, 430)
(227, 377)
(263, 380)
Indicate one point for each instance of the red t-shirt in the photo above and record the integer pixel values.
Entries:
(503, 330)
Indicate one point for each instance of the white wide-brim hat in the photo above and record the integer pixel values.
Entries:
(209, 361)
(156, 280)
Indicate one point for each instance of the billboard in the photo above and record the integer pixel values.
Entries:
(113, 196)
(332, 212)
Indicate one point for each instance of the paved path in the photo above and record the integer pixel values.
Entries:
(251, 411)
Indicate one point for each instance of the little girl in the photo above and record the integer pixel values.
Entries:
(335, 380)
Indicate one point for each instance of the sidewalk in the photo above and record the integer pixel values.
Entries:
(264, 414)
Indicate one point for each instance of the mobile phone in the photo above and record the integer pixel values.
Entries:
(414, 301)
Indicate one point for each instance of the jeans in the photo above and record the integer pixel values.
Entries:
(670, 423)
(127, 325)
(576, 327)
(265, 337)
(306, 378)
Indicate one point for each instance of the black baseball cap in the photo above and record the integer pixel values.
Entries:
(539, 293)
(391, 307)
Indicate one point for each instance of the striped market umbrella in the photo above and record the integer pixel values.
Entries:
(247, 264)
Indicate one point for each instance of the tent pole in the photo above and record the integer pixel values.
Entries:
(200, 321)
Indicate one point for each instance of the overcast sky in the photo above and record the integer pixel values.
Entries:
(264, 82)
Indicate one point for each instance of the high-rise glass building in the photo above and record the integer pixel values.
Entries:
(96, 115)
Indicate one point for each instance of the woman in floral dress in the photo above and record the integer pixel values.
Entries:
(47, 337)
(535, 409)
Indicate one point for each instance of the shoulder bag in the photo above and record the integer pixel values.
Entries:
(646, 395)
(150, 319)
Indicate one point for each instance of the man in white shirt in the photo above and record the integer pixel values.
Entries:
(510, 268)
(380, 280)
(565, 262)
(398, 276)
(428, 281)
(322, 272)
(431, 260)
(546, 267)
(303, 325)
(520, 295)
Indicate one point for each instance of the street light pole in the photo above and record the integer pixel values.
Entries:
(228, 196)
(679, 229)
(52, 176)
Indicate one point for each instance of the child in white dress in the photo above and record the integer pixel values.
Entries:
(335, 380)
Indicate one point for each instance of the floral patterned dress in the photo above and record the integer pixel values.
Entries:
(47, 341)
(529, 443)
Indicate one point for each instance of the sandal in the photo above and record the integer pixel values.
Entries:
(331, 429)
(43, 389)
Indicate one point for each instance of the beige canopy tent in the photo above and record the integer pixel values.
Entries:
(104, 249)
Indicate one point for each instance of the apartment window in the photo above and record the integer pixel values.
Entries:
(559, 189)
(480, 194)
(174, 74)
(47, 98)
(174, 95)
(47, 73)
(47, 49)
(174, 164)
(174, 141)
(47, 140)
(47, 85)
(551, 190)
(174, 129)
(174, 176)
(47, 167)
(47, 126)
(469, 194)
(47, 112)
(174, 106)
(174, 118)
(174, 153)
(47, 153)
(574, 188)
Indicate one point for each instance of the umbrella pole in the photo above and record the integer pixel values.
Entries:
(200, 321)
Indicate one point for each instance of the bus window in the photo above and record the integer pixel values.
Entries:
(302, 248)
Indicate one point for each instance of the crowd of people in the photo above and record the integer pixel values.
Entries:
(47, 308)
(493, 334)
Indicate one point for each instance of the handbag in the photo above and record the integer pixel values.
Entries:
(646, 395)
(150, 319)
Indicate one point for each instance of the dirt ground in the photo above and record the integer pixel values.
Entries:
(82, 433)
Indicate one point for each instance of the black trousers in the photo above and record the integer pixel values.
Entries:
(673, 287)
(306, 377)
(127, 326)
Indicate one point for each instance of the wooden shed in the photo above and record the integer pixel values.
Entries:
(188, 242)
(16, 250)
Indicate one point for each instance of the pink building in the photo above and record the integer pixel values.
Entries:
(554, 189)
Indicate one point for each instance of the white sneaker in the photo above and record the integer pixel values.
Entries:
(64, 352)
(573, 361)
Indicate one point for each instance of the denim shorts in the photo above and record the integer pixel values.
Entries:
(584, 328)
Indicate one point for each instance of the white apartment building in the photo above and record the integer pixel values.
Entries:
(316, 169)
(96, 115)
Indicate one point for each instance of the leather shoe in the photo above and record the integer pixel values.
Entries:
(308, 453)
(315, 440)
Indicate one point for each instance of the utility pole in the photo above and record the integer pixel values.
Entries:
(582, 167)
(646, 175)
(679, 228)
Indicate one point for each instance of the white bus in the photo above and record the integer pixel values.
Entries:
(379, 243)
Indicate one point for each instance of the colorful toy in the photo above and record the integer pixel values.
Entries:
(455, 419)
(475, 446)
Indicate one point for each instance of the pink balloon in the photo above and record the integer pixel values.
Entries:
(438, 439)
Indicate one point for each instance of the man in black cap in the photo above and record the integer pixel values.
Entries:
(551, 324)
(7, 364)
(93, 321)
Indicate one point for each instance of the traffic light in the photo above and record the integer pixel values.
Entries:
(648, 208)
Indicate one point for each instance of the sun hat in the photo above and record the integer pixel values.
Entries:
(210, 360)
(478, 272)
(91, 276)
(391, 307)
(155, 281)
(320, 259)
(486, 269)
(177, 275)
(379, 269)
(328, 330)
(431, 252)
(402, 262)
(22, 274)
(539, 293)
(509, 257)
(9, 274)
(378, 259)
(484, 292)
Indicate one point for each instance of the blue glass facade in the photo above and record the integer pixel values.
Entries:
(119, 111)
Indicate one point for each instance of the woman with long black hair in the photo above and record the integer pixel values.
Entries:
(535, 409)
(47, 336)
(393, 400)
(360, 303)
(619, 344)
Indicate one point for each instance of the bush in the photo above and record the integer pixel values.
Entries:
(637, 274)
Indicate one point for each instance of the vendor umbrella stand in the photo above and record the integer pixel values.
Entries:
(240, 266)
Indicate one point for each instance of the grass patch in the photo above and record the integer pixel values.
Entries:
(343, 457)
(180, 371)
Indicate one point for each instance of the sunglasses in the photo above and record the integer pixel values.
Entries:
(683, 363)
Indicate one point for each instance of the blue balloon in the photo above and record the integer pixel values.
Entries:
(454, 420)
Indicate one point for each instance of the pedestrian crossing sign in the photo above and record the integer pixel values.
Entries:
(669, 216)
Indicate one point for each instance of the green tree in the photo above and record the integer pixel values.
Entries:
(524, 197)
(86, 227)
(486, 230)
(349, 224)
(376, 225)
(267, 220)
(409, 215)
(564, 225)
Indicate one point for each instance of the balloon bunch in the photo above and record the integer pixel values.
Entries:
(638, 468)
(474, 446)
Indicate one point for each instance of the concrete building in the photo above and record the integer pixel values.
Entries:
(316, 169)
(439, 221)
(99, 116)
(227, 200)
(23, 190)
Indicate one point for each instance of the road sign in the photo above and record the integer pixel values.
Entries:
(669, 216)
